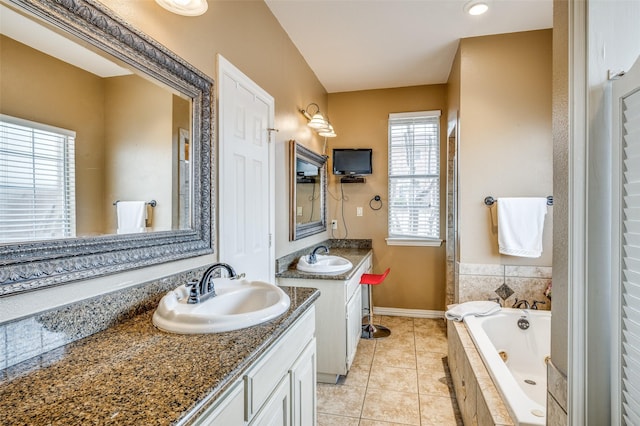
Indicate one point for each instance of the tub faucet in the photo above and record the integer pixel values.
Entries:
(536, 303)
(204, 289)
(521, 304)
(312, 257)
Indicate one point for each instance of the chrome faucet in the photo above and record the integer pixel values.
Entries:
(204, 289)
(536, 303)
(312, 257)
(519, 304)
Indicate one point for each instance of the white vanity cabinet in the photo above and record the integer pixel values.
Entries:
(278, 389)
(338, 320)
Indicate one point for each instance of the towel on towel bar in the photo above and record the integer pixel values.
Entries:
(520, 225)
(477, 308)
(131, 216)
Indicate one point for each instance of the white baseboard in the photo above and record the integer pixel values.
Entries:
(413, 313)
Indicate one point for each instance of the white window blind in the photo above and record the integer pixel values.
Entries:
(414, 176)
(629, 350)
(37, 181)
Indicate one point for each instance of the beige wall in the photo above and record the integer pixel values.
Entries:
(249, 36)
(417, 278)
(505, 136)
(138, 136)
(37, 87)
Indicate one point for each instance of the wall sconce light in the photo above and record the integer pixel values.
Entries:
(318, 122)
(185, 7)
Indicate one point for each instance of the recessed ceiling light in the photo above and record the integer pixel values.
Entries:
(476, 7)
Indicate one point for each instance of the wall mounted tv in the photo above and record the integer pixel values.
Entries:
(352, 161)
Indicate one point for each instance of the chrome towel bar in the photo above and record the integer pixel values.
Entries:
(152, 203)
(488, 201)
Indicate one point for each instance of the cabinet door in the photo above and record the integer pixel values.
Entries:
(354, 326)
(228, 412)
(277, 410)
(303, 387)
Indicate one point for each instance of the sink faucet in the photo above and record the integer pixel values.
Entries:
(204, 289)
(520, 303)
(312, 257)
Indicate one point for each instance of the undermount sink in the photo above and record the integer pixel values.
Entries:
(325, 264)
(237, 304)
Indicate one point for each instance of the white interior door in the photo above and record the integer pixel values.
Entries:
(245, 184)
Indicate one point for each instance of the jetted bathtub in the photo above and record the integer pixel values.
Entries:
(515, 345)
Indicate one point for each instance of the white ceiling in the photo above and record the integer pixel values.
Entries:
(373, 44)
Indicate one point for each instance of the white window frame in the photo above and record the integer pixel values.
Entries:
(408, 240)
(64, 171)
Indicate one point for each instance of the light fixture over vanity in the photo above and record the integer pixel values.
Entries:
(185, 7)
(318, 122)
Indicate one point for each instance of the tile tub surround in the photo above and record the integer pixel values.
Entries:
(556, 396)
(289, 261)
(488, 281)
(35, 335)
(478, 398)
(133, 373)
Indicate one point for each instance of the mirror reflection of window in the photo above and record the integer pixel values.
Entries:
(37, 181)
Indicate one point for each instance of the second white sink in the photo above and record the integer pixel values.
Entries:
(325, 264)
(237, 304)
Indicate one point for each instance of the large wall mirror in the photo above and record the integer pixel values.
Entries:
(307, 192)
(105, 147)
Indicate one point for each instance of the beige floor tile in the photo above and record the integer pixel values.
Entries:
(431, 343)
(413, 358)
(367, 422)
(390, 406)
(394, 357)
(365, 351)
(331, 420)
(340, 400)
(439, 411)
(398, 340)
(358, 375)
(431, 360)
(393, 378)
(435, 382)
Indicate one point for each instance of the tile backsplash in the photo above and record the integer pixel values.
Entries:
(30, 337)
(507, 282)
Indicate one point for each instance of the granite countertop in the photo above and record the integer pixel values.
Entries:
(133, 373)
(355, 255)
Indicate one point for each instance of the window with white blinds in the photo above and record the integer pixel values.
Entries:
(629, 299)
(414, 178)
(37, 181)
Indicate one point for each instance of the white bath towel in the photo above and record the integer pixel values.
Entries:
(520, 226)
(131, 216)
(478, 308)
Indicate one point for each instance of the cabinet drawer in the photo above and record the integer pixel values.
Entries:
(354, 283)
(262, 378)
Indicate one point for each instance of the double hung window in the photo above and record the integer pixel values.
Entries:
(414, 178)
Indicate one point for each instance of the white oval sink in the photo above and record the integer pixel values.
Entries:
(325, 264)
(237, 304)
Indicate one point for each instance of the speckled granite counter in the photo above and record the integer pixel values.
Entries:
(134, 374)
(355, 255)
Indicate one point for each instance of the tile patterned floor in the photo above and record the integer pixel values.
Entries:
(399, 380)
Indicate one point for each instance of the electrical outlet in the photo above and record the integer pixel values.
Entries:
(358, 211)
(334, 224)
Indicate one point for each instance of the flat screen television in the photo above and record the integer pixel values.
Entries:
(352, 161)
